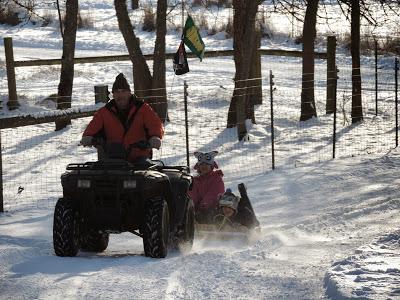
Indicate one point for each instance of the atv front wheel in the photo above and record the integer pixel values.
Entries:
(156, 228)
(185, 235)
(65, 229)
(94, 241)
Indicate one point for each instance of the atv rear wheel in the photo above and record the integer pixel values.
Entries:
(65, 229)
(156, 228)
(185, 235)
(94, 241)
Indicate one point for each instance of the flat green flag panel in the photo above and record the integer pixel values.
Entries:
(192, 38)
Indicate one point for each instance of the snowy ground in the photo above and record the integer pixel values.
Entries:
(372, 272)
(330, 228)
(311, 217)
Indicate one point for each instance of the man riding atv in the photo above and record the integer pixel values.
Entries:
(124, 191)
(125, 120)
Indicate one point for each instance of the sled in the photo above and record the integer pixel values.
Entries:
(226, 233)
(223, 229)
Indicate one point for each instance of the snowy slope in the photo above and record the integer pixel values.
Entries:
(310, 217)
(372, 272)
(329, 227)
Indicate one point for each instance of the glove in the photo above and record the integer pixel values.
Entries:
(155, 142)
(86, 141)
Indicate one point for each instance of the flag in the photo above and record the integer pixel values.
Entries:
(192, 38)
(180, 61)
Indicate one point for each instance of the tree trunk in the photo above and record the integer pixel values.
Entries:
(142, 79)
(141, 73)
(243, 43)
(356, 103)
(134, 4)
(159, 85)
(308, 109)
(67, 61)
(254, 95)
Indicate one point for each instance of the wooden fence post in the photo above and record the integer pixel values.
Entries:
(331, 75)
(101, 93)
(10, 66)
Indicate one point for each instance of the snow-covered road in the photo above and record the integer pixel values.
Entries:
(329, 229)
(310, 216)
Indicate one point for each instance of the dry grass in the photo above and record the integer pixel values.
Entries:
(9, 14)
(85, 21)
(210, 3)
(388, 44)
(149, 20)
(391, 44)
(202, 22)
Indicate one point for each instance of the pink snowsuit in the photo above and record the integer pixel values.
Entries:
(206, 189)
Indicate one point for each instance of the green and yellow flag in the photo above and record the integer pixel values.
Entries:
(192, 38)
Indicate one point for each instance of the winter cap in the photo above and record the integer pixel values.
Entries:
(228, 199)
(206, 158)
(120, 83)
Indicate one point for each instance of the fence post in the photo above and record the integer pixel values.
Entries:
(376, 77)
(396, 86)
(1, 179)
(185, 95)
(334, 118)
(331, 77)
(101, 93)
(10, 66)
(271, 87)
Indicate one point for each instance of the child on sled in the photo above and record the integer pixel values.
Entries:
(211, 202)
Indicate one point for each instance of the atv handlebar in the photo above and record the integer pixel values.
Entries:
(142, 145)
(102, 143)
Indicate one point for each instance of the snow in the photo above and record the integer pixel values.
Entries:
(329, 228)
(372, 272)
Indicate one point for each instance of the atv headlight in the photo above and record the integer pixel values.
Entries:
(83, 183)
(129, 184)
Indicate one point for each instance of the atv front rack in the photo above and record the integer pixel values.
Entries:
(111, 165)
(122, 165)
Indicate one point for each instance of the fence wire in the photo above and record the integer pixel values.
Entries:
(34, 157)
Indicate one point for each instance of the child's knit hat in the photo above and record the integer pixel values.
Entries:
(228, 199)
(206, 158)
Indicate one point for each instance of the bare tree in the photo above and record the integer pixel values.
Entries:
(151, 88)
(308, 108)
(356, 103)
(67, 61)
(244, 39)
(362, 9)
(356, 11)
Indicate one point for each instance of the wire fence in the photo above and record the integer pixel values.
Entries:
(34, 157)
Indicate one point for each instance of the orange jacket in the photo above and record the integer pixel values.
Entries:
(142, 123)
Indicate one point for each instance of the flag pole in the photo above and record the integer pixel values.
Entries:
(183, 15)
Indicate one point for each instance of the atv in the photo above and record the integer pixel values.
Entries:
(112, 195)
